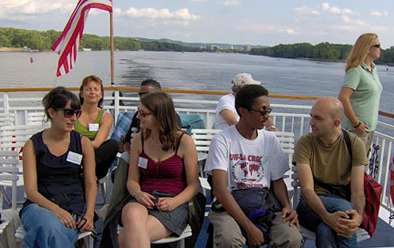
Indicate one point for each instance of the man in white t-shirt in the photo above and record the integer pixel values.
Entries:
(226, 115)
(244, 157)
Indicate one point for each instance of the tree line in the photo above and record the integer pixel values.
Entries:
(323, 51)
(43, 40)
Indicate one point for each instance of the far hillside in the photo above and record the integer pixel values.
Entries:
(43, 40)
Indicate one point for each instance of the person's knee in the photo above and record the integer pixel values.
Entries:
(227, 239)
(343, 205)
(132, 215)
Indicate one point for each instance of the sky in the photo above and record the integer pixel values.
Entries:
(247, 22)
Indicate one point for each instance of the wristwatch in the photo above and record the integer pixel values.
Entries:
(356, 126)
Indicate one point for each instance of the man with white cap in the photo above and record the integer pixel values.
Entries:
(226, 115)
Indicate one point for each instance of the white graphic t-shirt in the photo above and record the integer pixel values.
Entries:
(249, 163)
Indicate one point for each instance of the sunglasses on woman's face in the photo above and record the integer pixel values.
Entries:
(377, 46)
(69, 112)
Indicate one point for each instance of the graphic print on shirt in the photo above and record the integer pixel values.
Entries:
(248, 170)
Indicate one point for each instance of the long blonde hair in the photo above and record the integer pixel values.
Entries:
(360, 49)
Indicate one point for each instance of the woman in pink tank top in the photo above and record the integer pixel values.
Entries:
(163, 175)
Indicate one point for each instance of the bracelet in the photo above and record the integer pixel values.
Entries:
(271, 127)
(359, 123)
(133, 195)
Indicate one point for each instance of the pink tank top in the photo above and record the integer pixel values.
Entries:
(165, 176)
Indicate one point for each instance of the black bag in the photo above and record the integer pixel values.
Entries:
(196, 217)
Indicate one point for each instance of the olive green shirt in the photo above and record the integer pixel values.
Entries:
(330, 164)
(84, 131)
(366, 96)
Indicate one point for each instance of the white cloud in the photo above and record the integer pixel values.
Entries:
(337, 11)
(305, 10)
(28, 9)
(231, 3)
(198, 0)
(151, 13)
(357, 22)
(378, 13)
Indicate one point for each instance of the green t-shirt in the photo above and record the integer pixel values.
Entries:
(84, 131)
(365, 98)
(330, 164)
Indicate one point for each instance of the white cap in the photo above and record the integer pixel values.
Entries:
(244, 78)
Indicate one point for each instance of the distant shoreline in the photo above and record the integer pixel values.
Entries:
(10, 49)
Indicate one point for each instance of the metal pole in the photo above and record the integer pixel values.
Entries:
(111, 28)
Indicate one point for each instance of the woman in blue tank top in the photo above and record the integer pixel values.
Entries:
(162, 175)
(60, 201)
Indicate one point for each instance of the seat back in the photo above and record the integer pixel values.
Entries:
(9, 173)
(36, 118)
(202, 138)
(7, 119)
(12, 138)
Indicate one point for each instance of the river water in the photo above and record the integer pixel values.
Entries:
(201, 71)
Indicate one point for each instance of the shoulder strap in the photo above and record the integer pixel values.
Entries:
(348, 144)
(179, 142)
(142, 143)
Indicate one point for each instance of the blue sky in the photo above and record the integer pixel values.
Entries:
(254, 22)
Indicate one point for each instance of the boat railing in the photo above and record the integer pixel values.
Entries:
(287, 117)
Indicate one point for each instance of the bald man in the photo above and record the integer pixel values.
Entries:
(332, 179)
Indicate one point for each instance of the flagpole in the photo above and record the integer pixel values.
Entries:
(111, 30)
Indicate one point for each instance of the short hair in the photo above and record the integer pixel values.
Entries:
(85, 81)
(247, 94)
(162, 106)
(360, 49)
(152, 83)
(58, 98)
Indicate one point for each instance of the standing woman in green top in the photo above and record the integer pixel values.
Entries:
(361, 89)
(95, 123)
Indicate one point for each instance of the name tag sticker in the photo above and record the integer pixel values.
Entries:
(143, 163)
(74, 158)
(93, 126)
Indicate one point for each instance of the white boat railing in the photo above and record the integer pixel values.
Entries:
(287, 118)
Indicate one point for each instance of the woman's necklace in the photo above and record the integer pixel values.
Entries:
(156, 144)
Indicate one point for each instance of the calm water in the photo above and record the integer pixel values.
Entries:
(202, 71)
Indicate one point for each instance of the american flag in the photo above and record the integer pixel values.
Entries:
(67, 44)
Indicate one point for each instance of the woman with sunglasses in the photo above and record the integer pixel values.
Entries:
(361, 89)
(163, 175)
(95, 124)
(60, 203)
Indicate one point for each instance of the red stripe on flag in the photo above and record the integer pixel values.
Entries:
(67, 45)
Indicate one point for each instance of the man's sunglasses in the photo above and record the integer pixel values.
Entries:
(263, 112)
(69, 112)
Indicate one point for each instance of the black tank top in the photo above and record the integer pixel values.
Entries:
(55, 175)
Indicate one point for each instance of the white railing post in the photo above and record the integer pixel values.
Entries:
(116, 106)
(6, 104)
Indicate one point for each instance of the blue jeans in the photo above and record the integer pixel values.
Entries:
(45, 230)
(325, 236)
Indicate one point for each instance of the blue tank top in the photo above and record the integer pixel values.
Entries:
(55, 175)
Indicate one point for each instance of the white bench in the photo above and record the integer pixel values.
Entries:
(170, 239)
